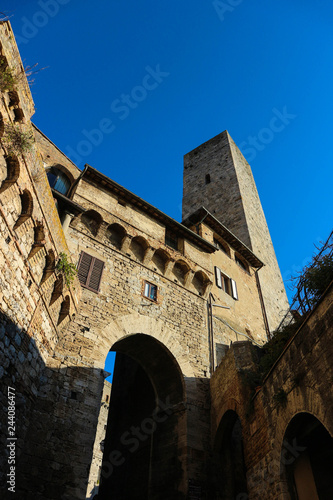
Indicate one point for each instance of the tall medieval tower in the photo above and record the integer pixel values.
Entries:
(217, 177)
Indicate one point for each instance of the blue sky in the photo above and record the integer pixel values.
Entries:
(143, 83)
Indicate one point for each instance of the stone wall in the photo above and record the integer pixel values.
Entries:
(304, 374)
(32, 295)
(231, 196)
(96, 462)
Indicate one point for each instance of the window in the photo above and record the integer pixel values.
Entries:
(241, 263)
(58, 180)
(150, 291)
(90, 271)
(221, 246)
(171, 239)
(207, 179)
(225, 283)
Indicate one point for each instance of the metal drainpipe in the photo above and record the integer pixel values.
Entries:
(262, 303)
(211, 333)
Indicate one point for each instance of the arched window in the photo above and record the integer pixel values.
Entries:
(241, 263)
(221, 245)
(58, 180)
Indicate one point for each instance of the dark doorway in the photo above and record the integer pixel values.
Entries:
(146, 424)
(229, 466)
(308, 457)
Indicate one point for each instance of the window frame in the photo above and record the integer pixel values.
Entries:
(58, 174)
(150, 286)
(225, 283)
(90, 271)
(171, 237)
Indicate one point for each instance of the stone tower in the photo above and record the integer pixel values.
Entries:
(217, 176)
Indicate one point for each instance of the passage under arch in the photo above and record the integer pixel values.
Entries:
(229, 471)
(147, 422)
(307, 457)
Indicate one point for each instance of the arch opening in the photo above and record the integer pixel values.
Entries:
(116, 234)
(138, 248)
(145, 424)
(228, 459)
(307, 458)
(92, 221)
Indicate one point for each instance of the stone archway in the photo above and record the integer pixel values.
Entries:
(145, 444)
(229, 472)
(307, 458)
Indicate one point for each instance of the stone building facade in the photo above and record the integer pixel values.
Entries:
(97, 458)
(184, 306)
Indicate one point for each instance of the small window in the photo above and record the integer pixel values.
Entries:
(150, 291)
(58, 180)
(221, 246)
(241, 263)
(171, 239)
(207, 179)
(225, 283)
(90, 272)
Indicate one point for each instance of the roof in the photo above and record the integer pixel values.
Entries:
(202, 214)
(180, 229)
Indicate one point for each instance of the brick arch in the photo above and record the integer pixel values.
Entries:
(91, 221)
(231, 404)
(138, 247)
(12, 172)
(307, 401)
(135, 323)
(26, 208)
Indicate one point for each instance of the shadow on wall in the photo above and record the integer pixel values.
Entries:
(54, 410)
(48, 420)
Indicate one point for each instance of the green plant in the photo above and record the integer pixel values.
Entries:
(66, 268)
(317, 277)
(7, 78)
(281, 398)
(16, 141)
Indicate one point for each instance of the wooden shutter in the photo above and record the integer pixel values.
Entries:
(218, 277)
(90, 271)
(234, 289)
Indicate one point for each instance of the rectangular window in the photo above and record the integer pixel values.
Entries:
(171, 239)
(90, 272)
(225, 283)
(150, 291)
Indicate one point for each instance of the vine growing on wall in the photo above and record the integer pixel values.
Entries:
(8, 80)
(66, 268)
(16, 141)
